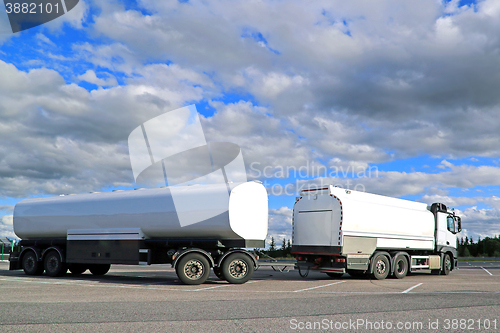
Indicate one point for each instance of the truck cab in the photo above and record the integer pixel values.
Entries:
(448, 224)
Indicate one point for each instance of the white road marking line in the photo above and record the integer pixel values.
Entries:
(326, 285)
(91, 284)
(226, 285)
(223, 285)
(410, 289)
(486, 271)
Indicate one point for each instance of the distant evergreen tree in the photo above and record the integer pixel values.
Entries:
(272, 246)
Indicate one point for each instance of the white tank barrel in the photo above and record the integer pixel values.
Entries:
(199, 211)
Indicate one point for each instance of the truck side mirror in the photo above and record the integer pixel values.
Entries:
(459, 224)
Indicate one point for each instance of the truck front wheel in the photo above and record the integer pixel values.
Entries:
(381, 268)
(53, 264)
(237, 268)
(30, 264)
(193, 268)
(446, 265)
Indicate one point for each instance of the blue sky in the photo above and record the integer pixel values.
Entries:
(399, 100)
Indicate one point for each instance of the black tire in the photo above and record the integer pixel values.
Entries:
(99, 269)
(446, 265)
(193, 268)
(381, 267)
(400, 267)
(77, 269)
(335, 275)
(237, 268)
(53, 264)
(30, 264)
(218, 273)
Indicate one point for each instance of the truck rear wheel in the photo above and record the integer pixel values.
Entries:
(446, 265)
(30, 264)
(53, 264)
(381, 267)
(99, 269)
(237, 268)
(193, 268)
(400, 267)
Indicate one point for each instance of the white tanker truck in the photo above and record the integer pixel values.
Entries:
(143, 226)
(337, 231)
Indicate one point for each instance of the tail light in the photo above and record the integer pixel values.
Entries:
(339, 259)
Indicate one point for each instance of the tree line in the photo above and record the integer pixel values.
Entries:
(487, 247)
(284, 251)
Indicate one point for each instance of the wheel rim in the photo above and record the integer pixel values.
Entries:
(238, 268)
(381, 267)
(194, 269)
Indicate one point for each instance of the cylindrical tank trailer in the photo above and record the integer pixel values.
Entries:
(193, 227)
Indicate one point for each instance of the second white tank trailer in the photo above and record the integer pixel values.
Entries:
(339, 231)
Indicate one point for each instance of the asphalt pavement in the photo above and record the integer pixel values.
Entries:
(152, 299)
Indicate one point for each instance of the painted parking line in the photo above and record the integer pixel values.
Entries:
(486, 271)
(208, 288)
(410, 289)
(326, 285)
(91, 284)
(226, 285)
